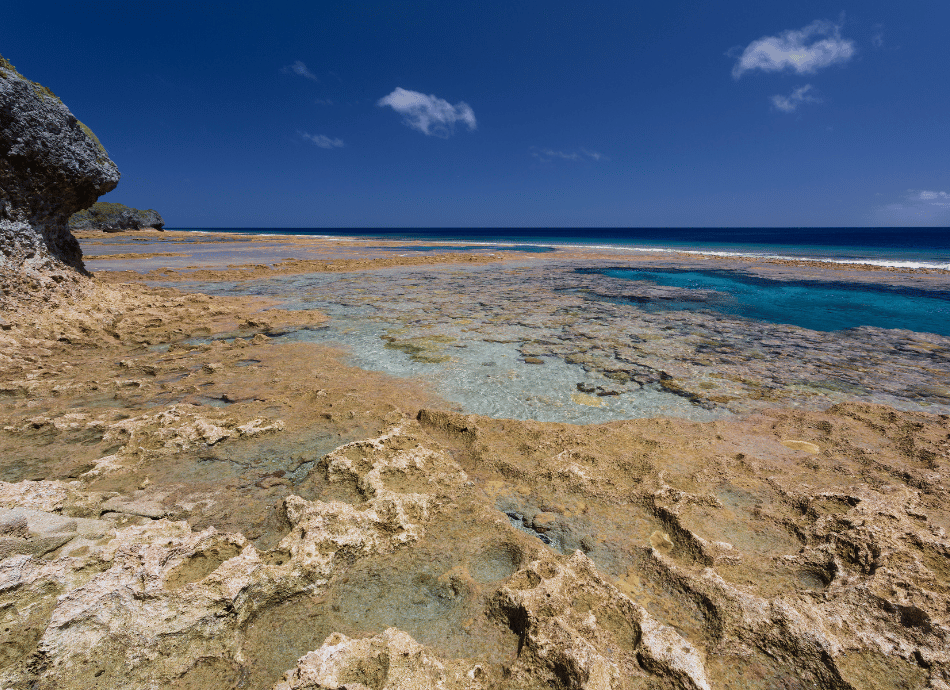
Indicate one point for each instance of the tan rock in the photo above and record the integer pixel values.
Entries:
(579, 631)
(143, 608)
(389, 661)
(805, 446)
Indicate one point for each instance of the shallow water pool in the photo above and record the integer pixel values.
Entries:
(819, 306)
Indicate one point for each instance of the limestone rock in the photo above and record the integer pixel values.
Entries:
(36, 532)
(178, 427)
(578, 631)
(149, 606)
(51, 165)
(50, 496)
(112, 217)
(389, 661)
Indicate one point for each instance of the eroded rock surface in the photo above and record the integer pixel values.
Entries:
(148, 604)
(51, 165)
(777, 567)
(112, 217)
(854, 597)
(202, 501)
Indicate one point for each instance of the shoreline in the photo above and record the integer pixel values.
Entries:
(686, 258)
(607, 246)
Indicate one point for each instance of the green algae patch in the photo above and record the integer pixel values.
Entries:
(7, 69)
(200, 565)
(5, 66)
(869, 670)
(680, 388)
(44, 92)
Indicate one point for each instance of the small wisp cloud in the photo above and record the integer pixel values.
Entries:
(548, 155)
(935, 198)
(790, 103)
(300, 69)
(803, 51)
(430, 115)
(323, 141)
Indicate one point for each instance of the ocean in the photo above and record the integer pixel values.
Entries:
(889, 247)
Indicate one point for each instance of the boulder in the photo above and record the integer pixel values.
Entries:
(51, 165)
(110, 217)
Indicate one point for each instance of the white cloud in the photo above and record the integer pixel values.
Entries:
(593, 154)
(547, 155)
(935, 198)
(788, 104)
(429, 114)
(323, 141)
(300, 69)
(804, 51)
(919, 207)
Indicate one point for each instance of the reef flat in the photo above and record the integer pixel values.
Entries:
(322, 466)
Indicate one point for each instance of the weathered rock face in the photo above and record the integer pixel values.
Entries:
(51, 165)
(110, 217)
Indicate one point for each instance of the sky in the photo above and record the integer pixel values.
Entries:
(507, 114)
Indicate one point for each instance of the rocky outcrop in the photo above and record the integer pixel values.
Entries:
(110, 217)
(51, 165)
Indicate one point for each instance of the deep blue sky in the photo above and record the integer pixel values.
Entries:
(578, 114)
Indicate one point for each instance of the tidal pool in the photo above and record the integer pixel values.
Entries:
(818, 306)
(568, 342)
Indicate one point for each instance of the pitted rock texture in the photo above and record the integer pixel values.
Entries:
(111, 217)
(51, 165)
(578, 631)
(148, 605)
(391, 660)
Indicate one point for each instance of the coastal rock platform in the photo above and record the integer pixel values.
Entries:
(199, 487)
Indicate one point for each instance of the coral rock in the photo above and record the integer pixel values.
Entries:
(51, 165)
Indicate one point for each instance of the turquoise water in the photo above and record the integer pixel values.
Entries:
(820, 306)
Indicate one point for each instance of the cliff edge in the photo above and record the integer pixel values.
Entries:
(111, 217)
(51, 165)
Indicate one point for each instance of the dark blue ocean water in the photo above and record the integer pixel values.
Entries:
(823, 306)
